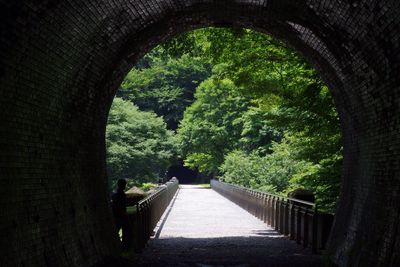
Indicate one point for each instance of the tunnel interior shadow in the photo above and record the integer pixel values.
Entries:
(263, 249)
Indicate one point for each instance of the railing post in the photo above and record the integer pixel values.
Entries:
(298, 224)
(270, 211)
(314, 245)
(259, 206)
(292, 219)
(267, 210)
(286, 218)
(273, 204)
(254, 203)
(276, 219)
(281, 215)
(264, 216)
(305, 227)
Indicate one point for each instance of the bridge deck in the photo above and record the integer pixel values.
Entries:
(202, 228)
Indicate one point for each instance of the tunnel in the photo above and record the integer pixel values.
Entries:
(185, 175)
(62, 62)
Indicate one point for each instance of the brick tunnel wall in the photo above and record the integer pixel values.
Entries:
(61, 62)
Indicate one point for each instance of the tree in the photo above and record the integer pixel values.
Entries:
(260, 117)
(212, 125)
(271, 173)
(164, 85)
(139, 147)
(284, 95)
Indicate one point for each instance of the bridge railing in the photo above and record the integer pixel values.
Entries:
(300, 220)
(147, 212)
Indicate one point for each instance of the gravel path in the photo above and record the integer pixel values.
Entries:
(202, 228)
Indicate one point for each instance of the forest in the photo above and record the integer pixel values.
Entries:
(234, 104)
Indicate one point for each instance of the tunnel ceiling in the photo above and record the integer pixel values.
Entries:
(63, 60)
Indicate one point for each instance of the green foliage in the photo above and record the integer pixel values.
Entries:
(256, 62)
(208, 186)
(278, 93)
(269, 173)
(284, 170)
(147, 186)
(164, 85)
(212, 125)
(139, 147)
(257, 135)
(259, 117)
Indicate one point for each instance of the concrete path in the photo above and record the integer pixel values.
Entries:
(202, 228)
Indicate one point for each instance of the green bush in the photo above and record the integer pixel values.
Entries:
(147, 186)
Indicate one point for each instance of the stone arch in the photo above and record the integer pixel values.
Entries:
(62, 61)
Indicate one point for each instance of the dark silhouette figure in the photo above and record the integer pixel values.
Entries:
(121, 218)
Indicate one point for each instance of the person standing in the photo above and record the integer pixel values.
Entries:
(118, 204)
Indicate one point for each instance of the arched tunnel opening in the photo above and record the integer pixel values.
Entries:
(186, 175)
(209, 100)
(62, 62)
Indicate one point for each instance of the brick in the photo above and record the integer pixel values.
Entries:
(61, 63)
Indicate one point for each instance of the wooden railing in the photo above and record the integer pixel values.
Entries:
(147, 212)
(295, 218)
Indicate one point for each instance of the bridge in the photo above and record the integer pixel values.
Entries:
(226, 226)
